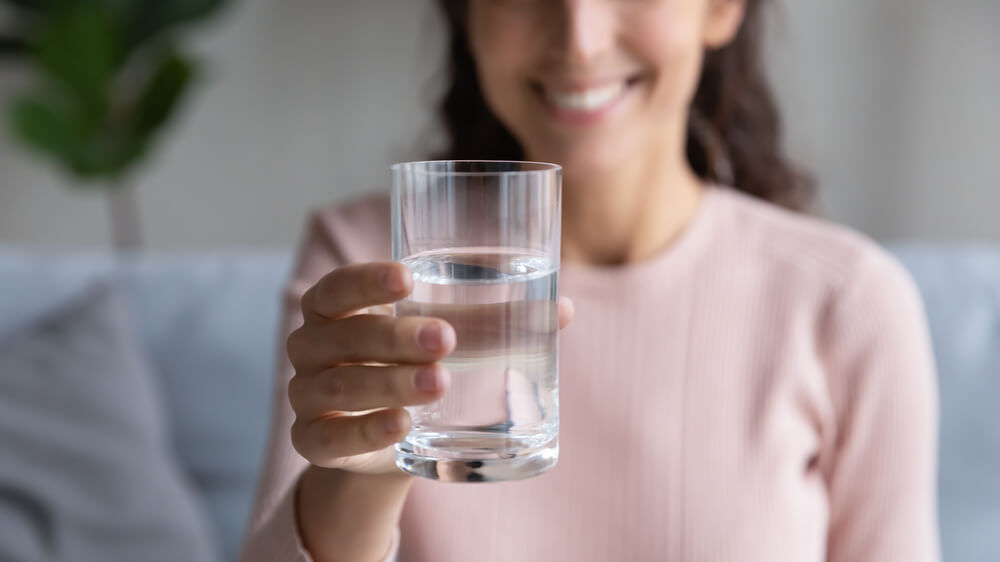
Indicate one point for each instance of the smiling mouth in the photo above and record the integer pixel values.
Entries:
(585, 100)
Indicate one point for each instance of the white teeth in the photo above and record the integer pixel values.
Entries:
(586, 100)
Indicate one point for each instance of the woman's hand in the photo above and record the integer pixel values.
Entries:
(354, 371)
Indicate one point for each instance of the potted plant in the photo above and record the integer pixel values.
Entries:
(107, 76)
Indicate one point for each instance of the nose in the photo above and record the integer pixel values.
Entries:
(586, 29)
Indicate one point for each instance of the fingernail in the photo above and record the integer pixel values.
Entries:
(391, 280)
(393, 423)
(428, 379)
(435, 336)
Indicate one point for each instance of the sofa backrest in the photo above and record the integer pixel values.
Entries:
(961, 291)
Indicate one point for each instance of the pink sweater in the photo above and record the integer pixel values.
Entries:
(763, 390)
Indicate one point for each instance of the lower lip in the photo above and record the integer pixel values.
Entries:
(586, 116)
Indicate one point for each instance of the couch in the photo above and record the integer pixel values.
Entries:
(208, 324)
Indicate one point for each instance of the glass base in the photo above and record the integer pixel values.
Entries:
(475, 457)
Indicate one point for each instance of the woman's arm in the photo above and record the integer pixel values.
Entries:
(881, 465)
(292, 496)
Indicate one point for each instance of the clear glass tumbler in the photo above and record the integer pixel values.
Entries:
(482, 240)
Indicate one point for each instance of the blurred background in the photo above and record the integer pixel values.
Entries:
(893, 105)
(135, 389)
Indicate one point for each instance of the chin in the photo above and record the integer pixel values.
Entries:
(580, 162)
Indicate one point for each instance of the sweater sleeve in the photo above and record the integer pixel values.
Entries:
(880, 465)
(273, 534)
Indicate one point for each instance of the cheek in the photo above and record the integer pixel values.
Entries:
(500, 47)
(668, 43)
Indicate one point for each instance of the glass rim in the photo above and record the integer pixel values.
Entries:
(423, 167)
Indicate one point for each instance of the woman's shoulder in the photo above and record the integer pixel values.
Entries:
(367, 210)
(357, 227)
(806, 247)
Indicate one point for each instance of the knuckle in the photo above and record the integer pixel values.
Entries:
(404, 331)
(321, 296)
(325, 434)
(369, 435)
(364, 337)
(294, 345)
(294, 391)
(333, 385)
(298, 439)
(326, 286)
(320, 436)
(328, 283)
(348, 337)
(305, 299)
(367, 284)
(340, 279)
(314, 439)
(393, 385)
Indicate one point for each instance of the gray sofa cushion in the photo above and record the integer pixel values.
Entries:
(209, 325)
(86, 471)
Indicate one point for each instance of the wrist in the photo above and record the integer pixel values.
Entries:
(349, 515)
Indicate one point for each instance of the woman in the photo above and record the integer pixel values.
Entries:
(741, 382)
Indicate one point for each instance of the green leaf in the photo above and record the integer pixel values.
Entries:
(162, 93)
(37, 5)
(108, 82)
(42, 126)
(80, 49)
(106, 156)
(152, 17)
(94, 152)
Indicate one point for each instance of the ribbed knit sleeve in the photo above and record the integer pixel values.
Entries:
(273, 535)
(881, 467)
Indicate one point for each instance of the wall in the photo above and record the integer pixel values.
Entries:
(896, 105)
(892, 103)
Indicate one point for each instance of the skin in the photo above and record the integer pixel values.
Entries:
(627, 170)
(624, 168)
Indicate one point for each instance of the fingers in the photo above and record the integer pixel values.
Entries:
(357, 388)
(323, 441)
(348, 289)
(566, 312)
(368, 338)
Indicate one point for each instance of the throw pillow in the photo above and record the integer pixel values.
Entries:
(86, 468)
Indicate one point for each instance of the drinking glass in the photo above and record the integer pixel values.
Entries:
(482, 240)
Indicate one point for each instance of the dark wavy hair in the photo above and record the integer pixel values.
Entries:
(734, 130)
